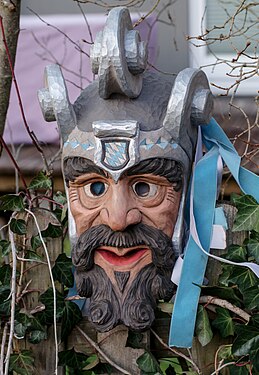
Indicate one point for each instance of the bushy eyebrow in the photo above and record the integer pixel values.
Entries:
(170, 169)
(77, 166)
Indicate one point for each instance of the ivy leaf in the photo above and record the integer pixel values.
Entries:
(224, 322)
(5, 247)
(35, 242)
(33, 256)
(41, 181)
(254, 357)
(134, 340)
(251, 298)
(71, 358)
(22, 363)
(243, 277)
(52, 231)
(5, 274)
(225, 352)
(60, 198)
(254, 321)
(18, 226)
(11, 202)
(47, 299)
(238, 370)
(91, 362)
(223, 292)
(101, 368)
(202, 328)
(224, 276)
(236, 253)
(148, 364)
(62, 270)
(5, 302)
(70, 317)
(247, 217)
(254, 235)
(247, 340)
(253, 249)
(19, 330)
(35, 337)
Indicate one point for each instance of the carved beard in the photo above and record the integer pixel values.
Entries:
(107, 308)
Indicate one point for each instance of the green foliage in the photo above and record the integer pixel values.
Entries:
(22, 363)
(5, 247)
(224, 322)
(203, 328)
(247, 217)
(11, 202)
(35, 242)
(81, 364)
(134, 340)
(18, 226)
(148, 364)
(62, 271)
(223, 292)
(40, 182)
(67, 312)
(53, 231)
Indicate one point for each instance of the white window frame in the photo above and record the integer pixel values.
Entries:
(198, 56)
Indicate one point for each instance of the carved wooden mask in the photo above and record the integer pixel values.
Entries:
(128, 144)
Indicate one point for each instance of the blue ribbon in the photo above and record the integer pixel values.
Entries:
(204, 199)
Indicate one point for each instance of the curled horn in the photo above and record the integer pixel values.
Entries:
(118, 56)
(190, 105)
(54, 101)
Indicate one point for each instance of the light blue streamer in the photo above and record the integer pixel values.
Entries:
(204, 199)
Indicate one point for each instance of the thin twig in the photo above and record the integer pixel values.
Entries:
(31, 134)
(60, 31)
(226, 305)
(16, 166)
(13, 300)
(99, 350)
(177, 352)
(223, 366)
(53, 287)
(2, 348)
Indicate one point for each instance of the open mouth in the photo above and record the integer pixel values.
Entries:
(125, 258)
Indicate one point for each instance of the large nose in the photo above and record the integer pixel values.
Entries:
(120, 210)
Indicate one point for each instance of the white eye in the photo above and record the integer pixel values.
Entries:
(95, 189)
(144, 189)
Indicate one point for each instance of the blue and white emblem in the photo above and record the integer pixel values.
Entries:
(116, 145)
(115, 154)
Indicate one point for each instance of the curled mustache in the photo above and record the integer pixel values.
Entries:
(135, 235)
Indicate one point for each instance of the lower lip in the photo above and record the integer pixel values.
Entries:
(116, 260)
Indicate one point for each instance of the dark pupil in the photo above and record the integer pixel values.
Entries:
(142, 189)
(97, 188)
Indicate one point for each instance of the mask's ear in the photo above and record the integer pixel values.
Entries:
(54, 101)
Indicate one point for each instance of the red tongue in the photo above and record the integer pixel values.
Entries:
(116, 260)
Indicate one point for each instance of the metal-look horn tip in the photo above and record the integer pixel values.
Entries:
(190, 104)
(118, 56)
(54, 101)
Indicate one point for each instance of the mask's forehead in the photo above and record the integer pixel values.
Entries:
(116, 146)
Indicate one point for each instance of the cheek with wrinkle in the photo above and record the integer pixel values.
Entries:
(84, 218)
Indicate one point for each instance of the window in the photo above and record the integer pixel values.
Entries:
(218, 51)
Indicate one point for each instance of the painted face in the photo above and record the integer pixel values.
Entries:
(147, 199)
(124, 229)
